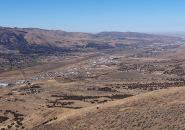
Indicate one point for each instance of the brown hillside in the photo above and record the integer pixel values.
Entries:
(163, 109)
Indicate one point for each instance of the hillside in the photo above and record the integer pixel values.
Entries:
(34, 40)
(162, 109)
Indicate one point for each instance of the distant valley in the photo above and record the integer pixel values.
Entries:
(52, 79)
(20, 47)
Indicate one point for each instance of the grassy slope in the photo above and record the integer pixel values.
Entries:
(162, 109)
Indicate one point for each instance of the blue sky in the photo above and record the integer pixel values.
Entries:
(95, 15)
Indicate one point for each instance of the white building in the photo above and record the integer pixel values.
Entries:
(3, 85)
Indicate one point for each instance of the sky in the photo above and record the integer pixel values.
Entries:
(95, 15)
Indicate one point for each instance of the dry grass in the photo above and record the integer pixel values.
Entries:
(162, 109)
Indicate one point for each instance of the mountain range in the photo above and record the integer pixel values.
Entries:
(35, 40)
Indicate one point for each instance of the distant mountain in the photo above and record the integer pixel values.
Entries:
(18, 41)
(34, 40)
